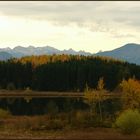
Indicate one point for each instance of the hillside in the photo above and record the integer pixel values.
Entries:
(129, 52)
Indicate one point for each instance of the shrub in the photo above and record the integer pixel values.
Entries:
(54, 124)
(80, 119)
(129, 121)
(38, 123)
(4, 113)
(25, 123)
(84, 119)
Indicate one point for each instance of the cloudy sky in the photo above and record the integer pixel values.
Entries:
(82, 25)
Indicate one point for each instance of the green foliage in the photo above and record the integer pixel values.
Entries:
(129, 121)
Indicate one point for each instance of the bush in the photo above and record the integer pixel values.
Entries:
(4, 113)
(128, 122)
(84, 119)
(80, 119)
(54, 124)
(25, 123)
(38, 123)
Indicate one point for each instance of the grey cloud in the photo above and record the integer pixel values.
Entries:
(101, 13)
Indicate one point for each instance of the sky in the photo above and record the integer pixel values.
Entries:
(91, 26)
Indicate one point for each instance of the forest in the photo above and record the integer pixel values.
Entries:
(64, 72)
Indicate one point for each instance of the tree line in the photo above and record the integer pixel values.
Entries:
(64, 72)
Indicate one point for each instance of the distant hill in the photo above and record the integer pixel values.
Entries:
(129, 52)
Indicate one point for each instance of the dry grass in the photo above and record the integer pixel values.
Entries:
(90, 133)
(22, 127)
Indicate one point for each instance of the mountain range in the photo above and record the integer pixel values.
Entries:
(19, 51)
(129, 52)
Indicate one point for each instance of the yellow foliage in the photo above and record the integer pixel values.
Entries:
(131, 93)
(94, 96)
(100, 84)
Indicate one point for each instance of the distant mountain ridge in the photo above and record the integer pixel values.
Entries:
(5, 55)
(20, 51)
(129, 52)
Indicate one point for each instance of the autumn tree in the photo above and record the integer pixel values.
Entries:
(96, 96)
(101, 96)
(130, 93)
